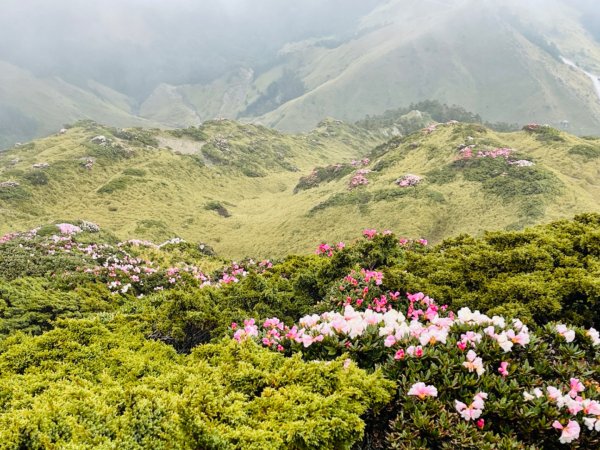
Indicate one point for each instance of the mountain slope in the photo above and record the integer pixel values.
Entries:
(248, 190)
(501, 59)
(412, 51)
(34, 106)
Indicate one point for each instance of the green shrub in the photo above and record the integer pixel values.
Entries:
(218, 207)
(544, 133)
(587, 151)
(89, 385)
(321, 175)
(443, 175)
(195, 133)
(32, 304)
(14, 194)
(36, 178)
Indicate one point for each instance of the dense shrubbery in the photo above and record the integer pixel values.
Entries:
(94, 378)
(440, 112)
(544, 133)
(322, 175)
(91, 385)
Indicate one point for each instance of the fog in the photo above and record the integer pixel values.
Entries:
(132, 45)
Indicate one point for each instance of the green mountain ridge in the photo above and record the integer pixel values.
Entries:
(499, 59)
(249, 190)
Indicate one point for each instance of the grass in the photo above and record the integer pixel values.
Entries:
(154, 193)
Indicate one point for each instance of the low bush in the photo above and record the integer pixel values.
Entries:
(586, 151)
(90, 385)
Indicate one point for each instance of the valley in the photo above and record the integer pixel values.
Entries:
(250, 191)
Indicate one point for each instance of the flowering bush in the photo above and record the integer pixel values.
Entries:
(408, 180)
(358, 179)
(67, 228)
(483, 368)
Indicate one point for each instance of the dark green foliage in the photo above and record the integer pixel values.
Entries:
(36, 178)
(32, 304)
(323, 175)
(587, 151)
(439, 112)
(253, 171)
(136, 136)
(14, 194)
(213, 154)
(544, 133)
(509, 181)
(392, 144)
(218, 207)
(362, 198)
(195, 133)
(547, 270)
(443, 175)
(109, 151)
(19, 261)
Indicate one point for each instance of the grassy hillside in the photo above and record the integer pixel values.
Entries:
(513, 75)
(248, 190)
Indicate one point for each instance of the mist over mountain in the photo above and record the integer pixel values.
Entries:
(134, 45)
(289, 65)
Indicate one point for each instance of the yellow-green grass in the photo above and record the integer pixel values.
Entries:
(170, 197)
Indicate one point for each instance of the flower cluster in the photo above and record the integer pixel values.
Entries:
(574, 404)
(522, 163)
(358, 179)
(495, 153)
(408, 180)
(329, 250)
(474, 409)
(67, 228)
(423, 331)
(360, 162)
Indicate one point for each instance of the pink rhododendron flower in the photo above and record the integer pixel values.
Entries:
(593, 423)
(67, 228)
(568, 334)
(576, 386)
(399, 354)
(474, 363)
(389, 341)
(503, 368)
(591, 407)
(594, 335)
(553, 393)
(480, 424)
(422, 390)
(369, 233)
(474, 410)
(569, 433)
